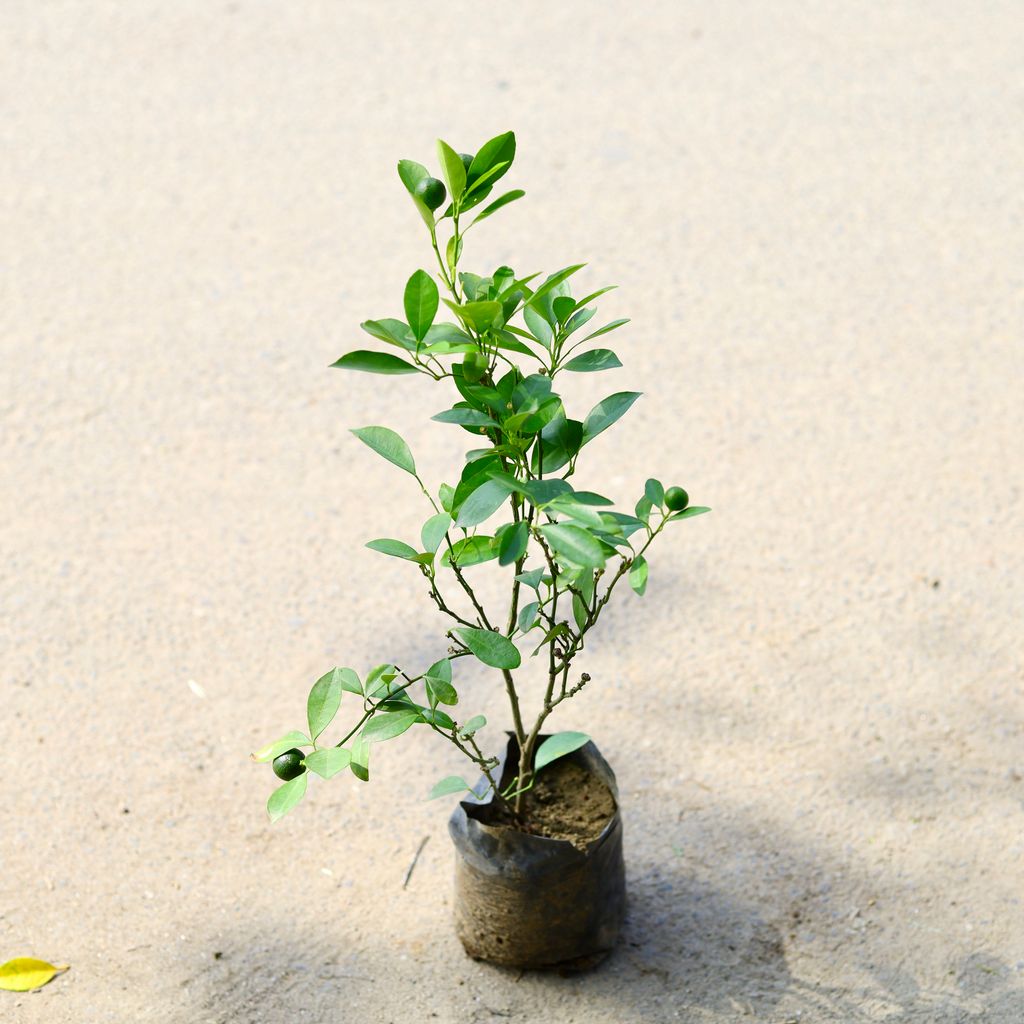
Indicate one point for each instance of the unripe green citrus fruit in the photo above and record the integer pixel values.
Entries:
(431, 191)
(677, 499)
(467, 160)
(289, 764)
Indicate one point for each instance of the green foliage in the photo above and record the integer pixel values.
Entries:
(286, 742)
(420, 300)
(447, 786)
(323, 703)
(329, 761)
(474, 725)
(286, 797)
(493, 649)
(388, 726)
(557, 746)
(638, 575)
(386, 443)
(693, 510)
(395, 548)
(374, 362)
(510, 343)
(592, 361)
(607, 412)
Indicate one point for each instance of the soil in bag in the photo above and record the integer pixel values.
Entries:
(549, 890)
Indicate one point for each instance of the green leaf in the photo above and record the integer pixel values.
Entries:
(389, 445)
(470, 551)
(323, 702)
(475, 724)
(513, 543)
(374, 362)
(553, 282)
(508, 197)
(447, 786)
(505, 340)
(591, 362)
(689, 513)
(531, 391)
(493, 649)
(606, 412)
(421, 300)
(395, 548)
(286, 742)
(577, 320)
(592, 498)
(532, 578)
(478, 315)
(434, 717)
(595, 295)
(360, 764)
(580, 613)
(465, 416)
(453, 168)
(549, 410)
(557, 746)
(482, 503)
(411, 174)
(655, 492)
(638, 575)
(388, 726)
(434, 530)
(328, 762)
(643, 509)
(494, 153)
(559, 629)
(474, 286)
(528, 616)
(349, 680)
(562, 306)
(441, 669)
(285, 797)
(378, 678)
(445, 494)
(540, 492)
(453, 252)
(539, 327)
(586, 515)
(438, 682)
(607, 329)
(448, 332)
(574, 545)
(394, 332)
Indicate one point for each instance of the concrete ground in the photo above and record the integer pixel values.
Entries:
(815, 216)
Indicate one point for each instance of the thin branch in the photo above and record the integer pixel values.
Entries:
(415, 859)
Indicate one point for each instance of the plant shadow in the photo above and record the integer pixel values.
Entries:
(689, 951)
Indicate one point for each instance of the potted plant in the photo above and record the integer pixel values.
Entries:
(538, 837)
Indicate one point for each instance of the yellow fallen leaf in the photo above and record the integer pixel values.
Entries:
(25, 973)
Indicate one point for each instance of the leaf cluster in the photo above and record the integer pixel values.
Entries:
(503, 340)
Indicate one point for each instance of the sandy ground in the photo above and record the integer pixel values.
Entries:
(815, 216)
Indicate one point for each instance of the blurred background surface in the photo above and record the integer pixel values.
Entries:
(815, 217)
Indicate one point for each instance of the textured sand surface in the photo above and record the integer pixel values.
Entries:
(815, 215)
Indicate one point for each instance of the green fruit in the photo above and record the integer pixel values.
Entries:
(677, 499)
(289, 764)
(431, 191)
(474, 366)
(467, 161)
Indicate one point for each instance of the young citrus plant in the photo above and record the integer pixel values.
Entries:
(563, 550)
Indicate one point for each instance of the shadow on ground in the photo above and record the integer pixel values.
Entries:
(690, 951)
